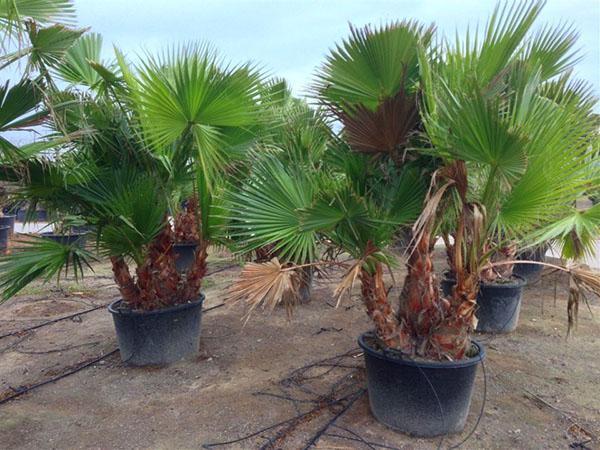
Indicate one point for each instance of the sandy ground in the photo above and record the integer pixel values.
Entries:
(543, 389)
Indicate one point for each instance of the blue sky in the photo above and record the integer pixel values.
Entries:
(290, 37)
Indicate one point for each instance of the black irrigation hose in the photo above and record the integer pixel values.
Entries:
(80, 313)
(332, 421)
(23, 390)
(25, 330)
(481, 411)
(278, 424)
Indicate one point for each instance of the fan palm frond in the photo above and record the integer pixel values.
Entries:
(14, 13)
(267, 210)
(187, 94)
(40, 258)
(82, 63)
(370, 82)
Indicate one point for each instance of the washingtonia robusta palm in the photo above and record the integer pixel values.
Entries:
(367, 187)
(150, 137)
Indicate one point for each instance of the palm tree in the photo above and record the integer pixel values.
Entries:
(361, 195)
(147, 140)
(514, 146)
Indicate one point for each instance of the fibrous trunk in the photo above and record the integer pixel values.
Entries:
(157, 283)
(375, 298)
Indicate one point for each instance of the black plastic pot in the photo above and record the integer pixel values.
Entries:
(39, 216)
(157, 337)
(420, 398)
(531, 272)
(185, 253)
(4, 235)
(498, 304)
(8, 221)
(67, 239)
(446, 283)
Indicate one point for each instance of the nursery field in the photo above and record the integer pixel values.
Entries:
(282, 383)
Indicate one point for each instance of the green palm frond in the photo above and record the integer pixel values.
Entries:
(576, 234)
(372, 65)
(50, 44)
(295, 132)
(553, 49)
(267, 210)
(188, 95)
(14, 13)
(43, 258)
(350, 221)
(504, 35)
(130, 209)
(19, 103)
(82, 63)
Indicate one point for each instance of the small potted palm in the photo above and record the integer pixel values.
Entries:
(135, 161)
(295, 136)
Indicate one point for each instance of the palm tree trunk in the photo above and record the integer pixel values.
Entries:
(374, 296)
(127, 287)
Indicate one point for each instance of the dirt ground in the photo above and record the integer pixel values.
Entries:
(542, 390)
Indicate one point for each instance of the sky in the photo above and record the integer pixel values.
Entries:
(289, 38)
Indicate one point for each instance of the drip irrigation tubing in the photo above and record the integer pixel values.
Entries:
(332, 421)
(291, 420)
(24, 389)
(87, 311)
(49, 322)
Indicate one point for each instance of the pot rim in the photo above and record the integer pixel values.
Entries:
(8, 216)
(517, 282)
(425, 364)
(112, 308)
(185, 244)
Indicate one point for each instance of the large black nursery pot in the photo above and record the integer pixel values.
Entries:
(8, 221)
(4, 235)
(531, 272)
(185, 253)
(157, 337)
(498, 304)
(418, 397)
(78, 239)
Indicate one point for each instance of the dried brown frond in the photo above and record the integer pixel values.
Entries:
(384, 130)
(266, 284)
(347, 283)
(425, 220)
